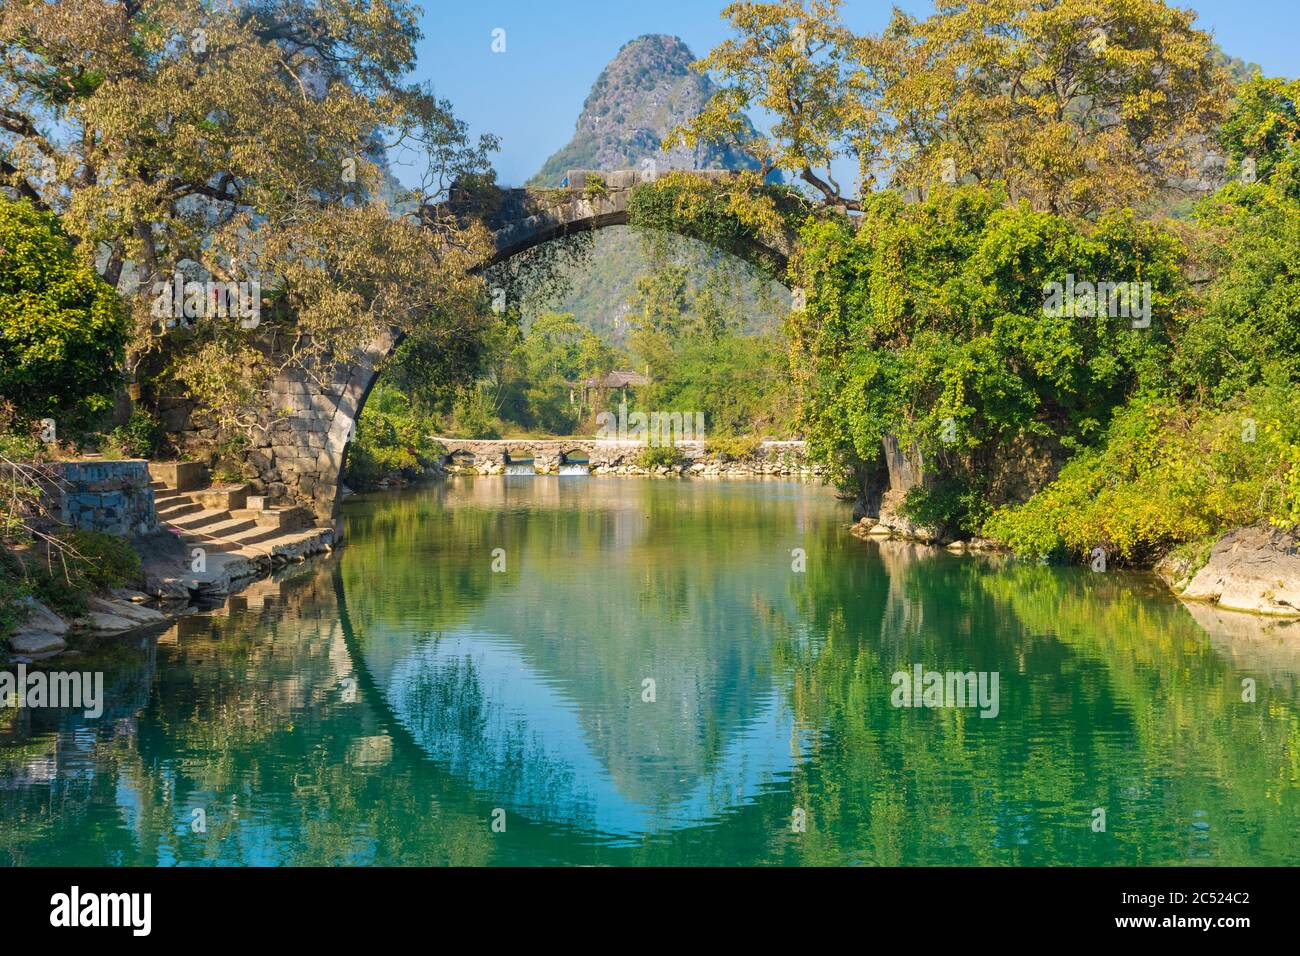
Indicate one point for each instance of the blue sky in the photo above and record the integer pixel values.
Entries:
(531, 94)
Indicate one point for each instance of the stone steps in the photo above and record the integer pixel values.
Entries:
(226, 497)
(175, 509)
(240, 542)
(219, 526)
(239, 533)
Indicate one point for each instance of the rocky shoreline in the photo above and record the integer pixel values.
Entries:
(1253, 571)
(171, 591)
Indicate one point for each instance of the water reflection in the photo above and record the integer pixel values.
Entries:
(539, 692)
(378, 706)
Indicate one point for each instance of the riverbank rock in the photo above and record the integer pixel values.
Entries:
(869, 528)
(127, 609)
(35, 645)
(1176, 569)
(1251, 569)
(891, 522)
(41, 618)
(40, 634)
(113, 616)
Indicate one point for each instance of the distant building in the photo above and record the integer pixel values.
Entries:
(595, 390)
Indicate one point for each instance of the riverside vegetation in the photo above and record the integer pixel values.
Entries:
(1098, 139)
(1049, 154)
(1002, 147)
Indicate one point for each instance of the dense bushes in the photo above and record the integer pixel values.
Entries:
(1166, 474)
(931, 322)
(1217, 445)
(732, 449)
(659, 456)
(62, 328)
(393, 439)
(141, 437)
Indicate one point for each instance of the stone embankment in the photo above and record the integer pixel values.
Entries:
(197, 542)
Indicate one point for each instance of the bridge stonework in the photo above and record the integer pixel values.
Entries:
(300, 458)
(609, 456)
(524, 218)
(310, 425)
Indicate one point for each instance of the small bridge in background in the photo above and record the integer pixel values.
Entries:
(548, 455)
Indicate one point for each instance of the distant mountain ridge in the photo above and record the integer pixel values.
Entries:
(646, 90)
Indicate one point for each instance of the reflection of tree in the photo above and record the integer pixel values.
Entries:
(1111, 696)
(1183, 698)
(246, 716)
(1088, 719)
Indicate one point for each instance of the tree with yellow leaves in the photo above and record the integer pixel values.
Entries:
(1075, 105)
(214, 142)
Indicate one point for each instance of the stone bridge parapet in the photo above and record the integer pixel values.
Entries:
(612, 456)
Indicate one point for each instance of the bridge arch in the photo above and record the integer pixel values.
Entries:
(460, 458)
(521, 219)
(304, 455)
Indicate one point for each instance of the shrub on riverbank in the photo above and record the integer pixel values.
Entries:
(1167, 475)
(658, 456)
(732, 449)
(393, 440)
(62, 329)
(141, 437)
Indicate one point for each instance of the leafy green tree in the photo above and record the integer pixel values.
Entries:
(931, 324)
(1078, 106)
(740, 383)
(1263, 125)
(242, 142)
(1247, 329)
(62, 328)
(536, 381)
(1219, 446)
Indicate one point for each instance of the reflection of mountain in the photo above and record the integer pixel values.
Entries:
(522, 691)
(537, 693)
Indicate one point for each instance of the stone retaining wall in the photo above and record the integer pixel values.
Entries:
(109, 496)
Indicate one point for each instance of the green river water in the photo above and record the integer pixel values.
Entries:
(402, 702)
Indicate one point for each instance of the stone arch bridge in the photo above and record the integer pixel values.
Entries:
(301, 458)
(548, 455)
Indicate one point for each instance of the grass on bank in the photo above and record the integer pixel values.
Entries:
(1167, 476)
